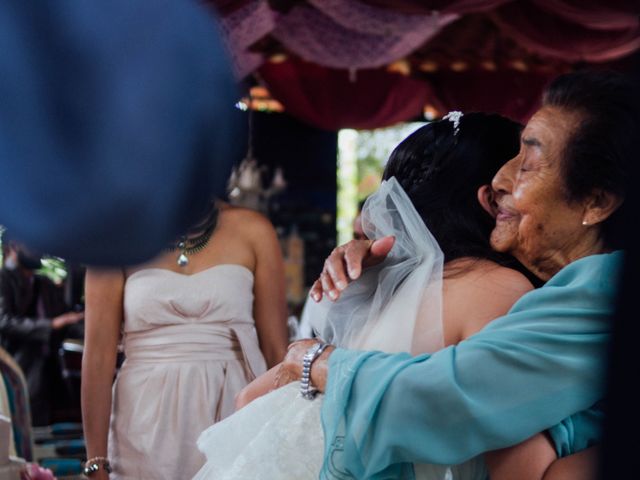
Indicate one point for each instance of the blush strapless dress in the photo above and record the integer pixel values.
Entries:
(190, 345)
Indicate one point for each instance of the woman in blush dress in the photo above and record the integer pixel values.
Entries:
(198, 323)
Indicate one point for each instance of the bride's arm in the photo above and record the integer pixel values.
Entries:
(579, 466)
(535, 459)
(528, 460)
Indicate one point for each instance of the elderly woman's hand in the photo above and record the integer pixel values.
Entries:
(291, 366)
(289, 370)
(259, 386)
(346, 263)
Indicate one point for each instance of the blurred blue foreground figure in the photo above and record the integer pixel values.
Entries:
(115, 124)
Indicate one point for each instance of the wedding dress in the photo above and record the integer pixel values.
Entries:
(393, 307)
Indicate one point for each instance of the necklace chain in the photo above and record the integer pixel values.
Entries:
(191, 246)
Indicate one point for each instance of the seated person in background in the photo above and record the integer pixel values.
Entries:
(34, 320)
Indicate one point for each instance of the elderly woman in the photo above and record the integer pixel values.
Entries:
(556, 205)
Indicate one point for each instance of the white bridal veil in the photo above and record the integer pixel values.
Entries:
(395, 306)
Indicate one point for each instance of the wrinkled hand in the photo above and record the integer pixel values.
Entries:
(292, 364)
(291, 367)
(259, 386)
(346, 263)
(276, 377)
(65, 319)
(289, 370)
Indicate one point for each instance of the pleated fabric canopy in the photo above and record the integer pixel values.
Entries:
(491, 55)
(117, 122)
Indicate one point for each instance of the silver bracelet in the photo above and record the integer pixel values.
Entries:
(94, 464)
(305, 381)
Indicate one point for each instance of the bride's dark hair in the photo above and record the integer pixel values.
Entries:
(441, 173)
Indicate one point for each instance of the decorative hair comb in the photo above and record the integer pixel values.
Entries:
(454, 117)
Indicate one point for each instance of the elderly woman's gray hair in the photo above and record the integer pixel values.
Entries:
(598, 154)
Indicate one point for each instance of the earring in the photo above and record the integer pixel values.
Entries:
(585, 223)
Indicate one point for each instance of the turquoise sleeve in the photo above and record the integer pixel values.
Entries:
(579, 431)
(522, 374)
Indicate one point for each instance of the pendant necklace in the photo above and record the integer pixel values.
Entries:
(190, 246)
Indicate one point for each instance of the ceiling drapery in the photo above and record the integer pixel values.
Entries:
(479, 54)
(346, 34)
(327, 98)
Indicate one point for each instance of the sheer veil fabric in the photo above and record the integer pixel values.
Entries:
(395, 306)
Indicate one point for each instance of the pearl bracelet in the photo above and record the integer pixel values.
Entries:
(94, 464)
(305, 380)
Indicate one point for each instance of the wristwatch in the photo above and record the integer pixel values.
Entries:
(312, 354)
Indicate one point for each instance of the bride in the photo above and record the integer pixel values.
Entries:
(440, 284)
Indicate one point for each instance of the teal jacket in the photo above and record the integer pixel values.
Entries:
(525, 372)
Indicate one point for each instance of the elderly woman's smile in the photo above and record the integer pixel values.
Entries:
(505, 214)
(537, 220)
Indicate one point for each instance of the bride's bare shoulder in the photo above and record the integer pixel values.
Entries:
(486, 275)
(476, 292)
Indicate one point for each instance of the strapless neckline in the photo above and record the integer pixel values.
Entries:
(185, 275)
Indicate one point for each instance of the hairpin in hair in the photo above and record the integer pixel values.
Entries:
(454, 117)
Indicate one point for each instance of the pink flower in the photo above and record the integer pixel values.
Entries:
(33, 471)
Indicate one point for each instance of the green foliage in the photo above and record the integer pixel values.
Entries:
(53, 268)
(373, 150)
(361, 159)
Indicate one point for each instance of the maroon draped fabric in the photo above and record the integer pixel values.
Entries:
(243, 28)
(596, 14)
(428, 6)
(463, 54)
(551, 35)
(345, 34)
(329, 99)
(224, 7)
(511, 93)
(475, 42)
